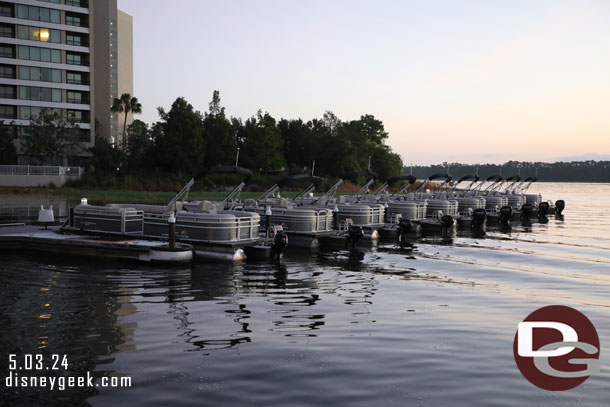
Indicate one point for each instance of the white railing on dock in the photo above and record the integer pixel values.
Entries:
(41, 170)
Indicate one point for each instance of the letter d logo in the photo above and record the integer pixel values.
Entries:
(556, 348)
(526, 339)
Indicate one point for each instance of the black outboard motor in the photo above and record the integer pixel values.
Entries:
(506, 213)
(354, 234)
(559, 206)
(526, 211)
(478, 218)
(543, 209)
(446, 223)
(280, 241)
(404, 227)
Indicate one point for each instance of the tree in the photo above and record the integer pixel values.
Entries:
(178, 139)
(384, 162)
(104, 156)
(140, 145)
(126, 104)
(219, 134)
(298, 145)
(51, 138)
(373, 129)
(8, 151)
(261, 143)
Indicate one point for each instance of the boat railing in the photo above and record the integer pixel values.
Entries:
(245, 227)
(320, 221)
(124, 221)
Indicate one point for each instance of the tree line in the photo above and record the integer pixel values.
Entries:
(185, 142)
(574, 171)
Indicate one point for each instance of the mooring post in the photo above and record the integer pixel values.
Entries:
(386, 218)
(268, 220)
(336, 217)
(172, 230)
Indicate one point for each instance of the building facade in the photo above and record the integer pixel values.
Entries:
(113, 30)
(59, 55)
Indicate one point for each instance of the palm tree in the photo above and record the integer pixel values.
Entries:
(126, 104)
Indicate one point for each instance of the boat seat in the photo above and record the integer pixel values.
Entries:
(107, 209)
(198, 206)
(278, 203)
(250, 202)
(340, 200)
(138, 207)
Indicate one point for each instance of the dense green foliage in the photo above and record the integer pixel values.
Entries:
(178, 139)
(51, 138)
(219, 132)
(126, 104)
(261, 143)
(8, 151)
(186, 143)
(576, 171)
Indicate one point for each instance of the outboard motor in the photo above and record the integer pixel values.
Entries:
(446, 223)
(526, 211)
(559, 206)
(506, 213)
(543, 209)
(404, 227)
(354, 233)
(280, 241)
(478, 218)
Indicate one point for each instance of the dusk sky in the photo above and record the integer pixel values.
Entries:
(456, 81)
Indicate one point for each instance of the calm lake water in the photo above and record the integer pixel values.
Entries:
(431, 326)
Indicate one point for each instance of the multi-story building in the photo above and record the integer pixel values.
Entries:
(62, 55)
(113, 30)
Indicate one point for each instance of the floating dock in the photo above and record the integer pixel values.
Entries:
(52, 240)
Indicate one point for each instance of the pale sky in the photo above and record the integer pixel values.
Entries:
(457, 81)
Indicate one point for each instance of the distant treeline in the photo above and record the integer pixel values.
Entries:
(575, 171)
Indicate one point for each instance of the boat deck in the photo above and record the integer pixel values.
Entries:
(36, 238)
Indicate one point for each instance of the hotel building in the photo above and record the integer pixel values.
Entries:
(73, 56)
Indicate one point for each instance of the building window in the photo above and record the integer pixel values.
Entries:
(72, 39)
(42, 94)
(73, 3)
(6, 51)
(39, 54)
(73, 59)
(33, 112)
(7, 92)
(7, 112)
(73, 20)
(75, 97)
(39, 14)
(38, 34)
(76, 115)
(33, 73)
(74, 78)
(6, 10)
(7, 71)
(28, 112)
(6, 31)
